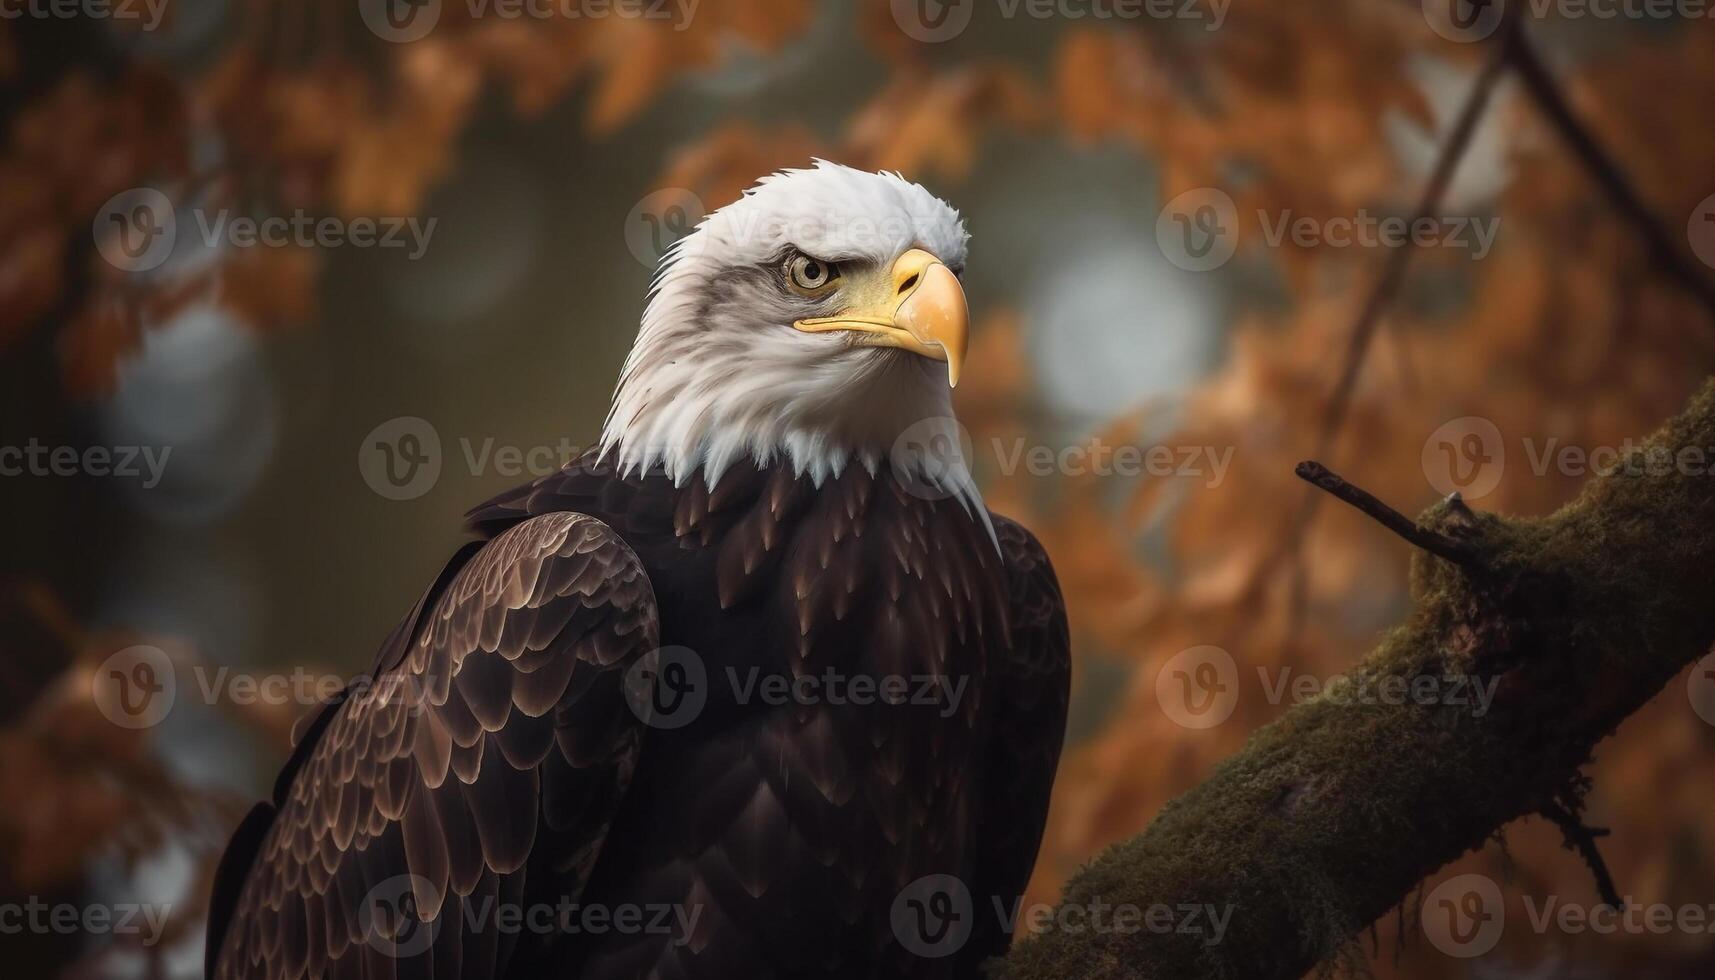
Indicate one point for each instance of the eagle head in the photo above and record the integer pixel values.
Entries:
(812, 322)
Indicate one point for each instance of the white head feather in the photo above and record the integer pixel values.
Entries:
(718, 373)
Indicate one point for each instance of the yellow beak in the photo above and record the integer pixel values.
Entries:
(924, 313)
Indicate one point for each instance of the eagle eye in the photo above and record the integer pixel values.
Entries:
(811, 276)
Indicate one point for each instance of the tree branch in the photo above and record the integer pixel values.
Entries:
(1378, 300)
(1429, 540)
(1667, 249)
(1399, 259)
(1582, 839)
(1330, 816)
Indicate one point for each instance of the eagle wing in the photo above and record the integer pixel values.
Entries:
(492, 739)
(1032, 689)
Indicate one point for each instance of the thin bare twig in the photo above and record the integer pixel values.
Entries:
(1664, 246)
(1431, 541)
(1381, 295)
(1582, 839)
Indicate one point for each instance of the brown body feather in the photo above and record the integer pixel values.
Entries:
(767, 834)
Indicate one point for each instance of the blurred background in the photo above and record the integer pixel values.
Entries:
(286, 287)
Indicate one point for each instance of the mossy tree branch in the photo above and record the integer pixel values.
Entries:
(1331, 815)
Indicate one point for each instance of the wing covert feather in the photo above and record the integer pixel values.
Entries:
(492, 745)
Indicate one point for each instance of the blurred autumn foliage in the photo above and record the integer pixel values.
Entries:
(1569, 330)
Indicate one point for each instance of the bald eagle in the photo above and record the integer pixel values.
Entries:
(755, 688)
